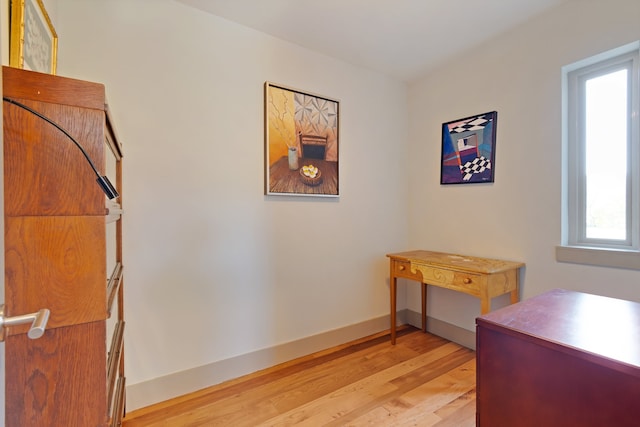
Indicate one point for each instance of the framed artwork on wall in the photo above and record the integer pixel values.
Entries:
(469, 149)
(301, 143)
(34, 42)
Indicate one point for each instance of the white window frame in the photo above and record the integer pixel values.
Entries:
(575, 246)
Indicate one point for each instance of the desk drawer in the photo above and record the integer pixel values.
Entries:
(456, 280)
(403, 269)
(467, 282)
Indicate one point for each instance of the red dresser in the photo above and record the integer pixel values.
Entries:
(561, 359)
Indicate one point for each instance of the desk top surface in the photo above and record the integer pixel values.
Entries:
(456, 262)
(575, 322)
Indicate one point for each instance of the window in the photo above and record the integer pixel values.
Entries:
(601, 150)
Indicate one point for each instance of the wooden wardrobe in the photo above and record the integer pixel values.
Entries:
(63, 252)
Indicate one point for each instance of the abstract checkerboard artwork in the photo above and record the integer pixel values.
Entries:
(468, 149)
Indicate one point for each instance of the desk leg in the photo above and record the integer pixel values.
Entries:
(485, 304)
(515, 294)
(424, 306)
(393, 282)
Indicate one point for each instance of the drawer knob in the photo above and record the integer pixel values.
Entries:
(466, 281)
(401, 268)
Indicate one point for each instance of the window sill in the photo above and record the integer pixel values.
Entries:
(601, 257)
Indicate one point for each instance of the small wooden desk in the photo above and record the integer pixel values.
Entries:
(481, 277)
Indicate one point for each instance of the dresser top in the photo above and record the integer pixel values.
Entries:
(456, 262)
(577, 322)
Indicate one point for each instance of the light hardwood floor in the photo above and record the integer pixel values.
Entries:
(423, 380)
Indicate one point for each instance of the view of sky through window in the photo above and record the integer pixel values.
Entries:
(606, 155)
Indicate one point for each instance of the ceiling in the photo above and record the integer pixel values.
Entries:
(401, 38)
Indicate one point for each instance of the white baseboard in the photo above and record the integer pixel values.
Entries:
(171, 386)
(442, 329)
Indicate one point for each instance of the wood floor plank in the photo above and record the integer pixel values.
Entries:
(434, 395)
(373, 388)
(294, 391)
(410, 381)
(427, 404)
(459, 413)
(422, 380)
(157, 414)
(300, 387)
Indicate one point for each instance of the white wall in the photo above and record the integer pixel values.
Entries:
(518, 216)
(213, 268)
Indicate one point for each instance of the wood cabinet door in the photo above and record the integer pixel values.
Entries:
(47, 384)
(58, 379)
(54, 252)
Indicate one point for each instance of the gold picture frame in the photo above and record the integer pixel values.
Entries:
(33, 40)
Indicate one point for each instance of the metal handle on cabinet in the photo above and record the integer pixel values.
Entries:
(38, 322)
